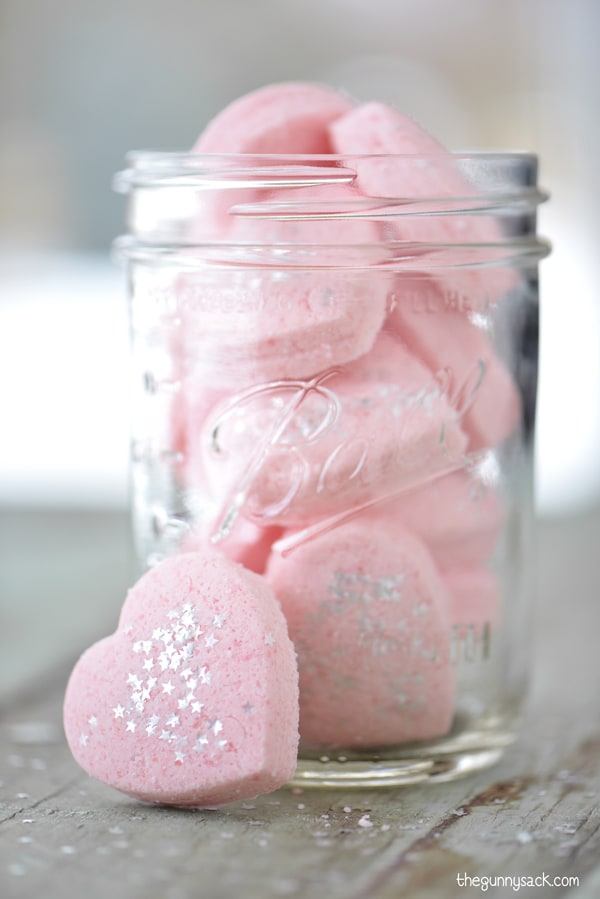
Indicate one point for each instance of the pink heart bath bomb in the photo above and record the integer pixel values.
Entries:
(194, 700)
(369, 616)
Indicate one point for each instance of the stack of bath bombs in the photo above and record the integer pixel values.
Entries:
(326, 416)
(339, 535)
(324, 425)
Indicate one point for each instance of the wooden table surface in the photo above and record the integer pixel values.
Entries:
(63, 576)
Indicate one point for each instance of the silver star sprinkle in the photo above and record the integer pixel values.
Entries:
(176, 650)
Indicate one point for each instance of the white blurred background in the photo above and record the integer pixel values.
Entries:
(83, 83)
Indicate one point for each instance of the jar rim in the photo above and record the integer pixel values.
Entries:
(157, 168)
(164, 194)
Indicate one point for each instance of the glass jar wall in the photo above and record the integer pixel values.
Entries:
(334, 378)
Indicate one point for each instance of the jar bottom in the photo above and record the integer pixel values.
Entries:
(435, 762)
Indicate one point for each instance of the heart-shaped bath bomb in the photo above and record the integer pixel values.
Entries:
(369, 616)
(438, 205)
(290, 316)
(194, 700)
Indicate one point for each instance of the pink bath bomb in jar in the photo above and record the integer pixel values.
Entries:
(369, 617)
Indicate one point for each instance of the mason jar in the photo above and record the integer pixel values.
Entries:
(334, 364)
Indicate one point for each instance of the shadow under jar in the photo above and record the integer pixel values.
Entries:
(334, 381)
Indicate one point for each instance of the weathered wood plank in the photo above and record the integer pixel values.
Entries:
(62, 834)
(537, 812)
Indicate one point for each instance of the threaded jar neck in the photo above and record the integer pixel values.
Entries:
(409, 211)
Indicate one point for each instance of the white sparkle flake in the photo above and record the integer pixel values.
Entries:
(93, 721)
(269, 639)
(176, 653)
(83, 739)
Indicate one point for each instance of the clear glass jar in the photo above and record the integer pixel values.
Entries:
(334, 370)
